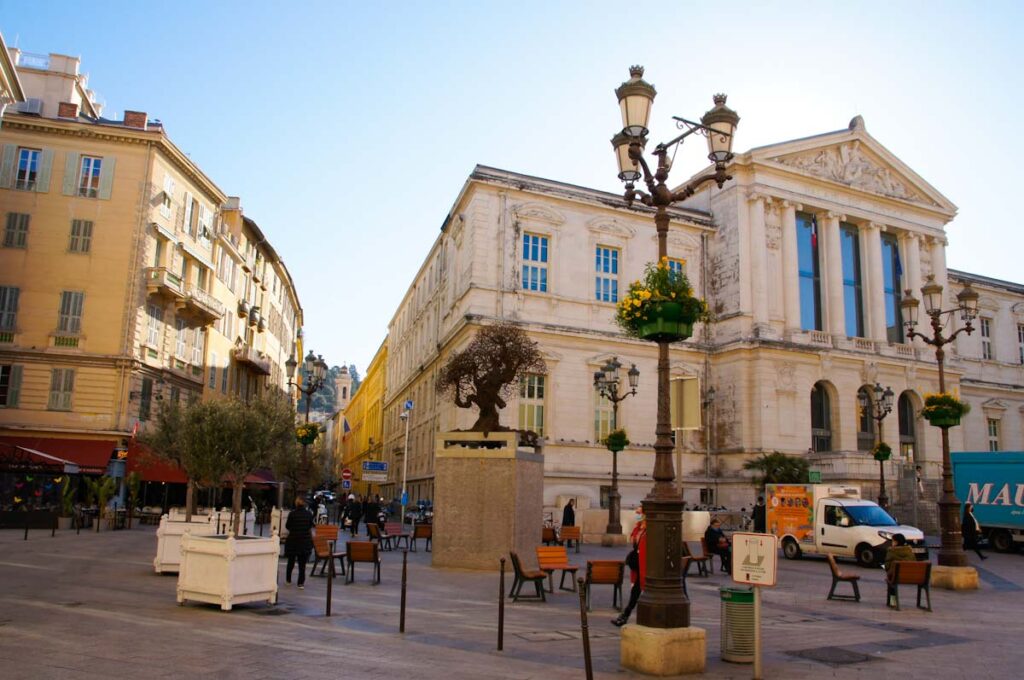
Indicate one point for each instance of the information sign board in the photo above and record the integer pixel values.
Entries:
(754, 558)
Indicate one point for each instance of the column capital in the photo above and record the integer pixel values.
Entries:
(754, 195)
(787, 204)
(831, 214)
(878, 225)
(936, 240)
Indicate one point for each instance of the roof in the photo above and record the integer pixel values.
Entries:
(9, 72)
(966, 277)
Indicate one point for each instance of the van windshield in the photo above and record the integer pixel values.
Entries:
(870, 515)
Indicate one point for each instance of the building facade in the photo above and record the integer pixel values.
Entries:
(358, 432)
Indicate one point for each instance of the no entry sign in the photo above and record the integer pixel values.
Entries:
(346, 474)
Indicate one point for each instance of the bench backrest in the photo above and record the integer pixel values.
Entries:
(372, 530)
(916, 573)
(547, 535)
(322, 545)
(606, 571)
(548, 555)
(423, 531)
(328, 531)
(392, 528)
(696, 549)
(517, 564)
(362, 551)
(570, 533)
(832, 565)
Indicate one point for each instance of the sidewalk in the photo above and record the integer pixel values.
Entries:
(90, 606)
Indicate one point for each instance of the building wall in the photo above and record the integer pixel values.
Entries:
(364, 415)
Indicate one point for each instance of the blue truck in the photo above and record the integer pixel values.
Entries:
(994, 483)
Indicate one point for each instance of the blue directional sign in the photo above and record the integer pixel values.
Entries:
(408, 404)
(375, 466)
(405, 498)
(346, 484)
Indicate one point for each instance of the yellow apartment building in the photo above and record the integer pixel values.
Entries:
(364, 419)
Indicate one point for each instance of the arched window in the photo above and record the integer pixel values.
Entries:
(821, 419)
(908, 435)
(865, 423)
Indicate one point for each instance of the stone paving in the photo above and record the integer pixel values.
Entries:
(90, 606)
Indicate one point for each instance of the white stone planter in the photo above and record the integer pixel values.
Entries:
(222, 519)
(279, 521)
(168, 539)
(226, 570)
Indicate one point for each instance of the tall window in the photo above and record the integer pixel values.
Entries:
(213, 370)
(853, 301)
(1020, 343)
(607, 279)
(70, 318)
(907, 415)
(156, 318)
(28, 169)
(81, 236)
(16, 230)
(167, 199)
(62, 384)
(198, 342)
(145, 398)
(531, 403)
(158, 252)
(810, 275)
(10, 385)
(8, 308)
(603, 416)
(821, 419)
(181, 343)
(89, 177)
(865, 423)
(993, 434)
(892, 270)
(676, 267)
(986, 338)
(535, 262)
(224, 379)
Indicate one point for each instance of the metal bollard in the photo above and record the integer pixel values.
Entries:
(586, 632)
(26, 524)
(53, 531)
(501, 608)
(401, 619)
(330, 576)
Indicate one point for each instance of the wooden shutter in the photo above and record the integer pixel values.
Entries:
(86, 235)
(188, 212)
(106, 177)
(69, 387)
(56, 380)
(45, 170)
(70, 173)
(76, 231)
(8, 307)
(7, 166)
(14, 386)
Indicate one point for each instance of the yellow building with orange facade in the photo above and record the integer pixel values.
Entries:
(359, 431)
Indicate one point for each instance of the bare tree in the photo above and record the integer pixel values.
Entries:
(488, 370)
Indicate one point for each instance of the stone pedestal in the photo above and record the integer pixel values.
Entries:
(614, 539)
(955, 578)
(663, 651)
(487, 501)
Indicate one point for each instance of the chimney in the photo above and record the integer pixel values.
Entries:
(67, 110)
(135, 119)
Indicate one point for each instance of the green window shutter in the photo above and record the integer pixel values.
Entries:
(106, 177)
(45, 168)
(69, 388)
(70, 173)
(14, 387)
(7, 166)
(56, 380)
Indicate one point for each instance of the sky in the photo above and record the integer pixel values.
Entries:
(348, 129)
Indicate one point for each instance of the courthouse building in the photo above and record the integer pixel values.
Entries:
(803, 258)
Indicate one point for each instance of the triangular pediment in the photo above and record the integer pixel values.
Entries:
(854, 158)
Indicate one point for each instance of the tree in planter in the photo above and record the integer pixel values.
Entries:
(778, 468)
(68, 493)
(102, 489)
(487, 371)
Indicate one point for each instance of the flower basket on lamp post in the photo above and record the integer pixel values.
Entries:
(882, 452)
(944, 409)
(660, 307)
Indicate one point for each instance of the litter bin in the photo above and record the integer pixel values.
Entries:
(737, 624)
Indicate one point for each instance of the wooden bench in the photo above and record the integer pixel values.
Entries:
(328, 531)
(695, 553)
(548, 536)
(378, 536)
(362, 551)
(424, 531)
(322, 553)
(522, 576)
(566, 534)
(394, 532)
(551, 558)
(606, 572)
(839, 577)
(914, 574)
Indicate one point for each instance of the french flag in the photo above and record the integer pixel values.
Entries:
(814, 231)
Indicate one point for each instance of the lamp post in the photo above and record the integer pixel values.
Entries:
(878, 408)
(405, 415)
(315, 371)
(663, 603)
(951, 554)
(606, 382)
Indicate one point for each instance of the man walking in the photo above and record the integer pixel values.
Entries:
(299, 541)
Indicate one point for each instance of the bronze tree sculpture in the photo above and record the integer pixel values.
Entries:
(488, 370)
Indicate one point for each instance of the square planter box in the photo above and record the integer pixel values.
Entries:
(168, 539)
(228, 570)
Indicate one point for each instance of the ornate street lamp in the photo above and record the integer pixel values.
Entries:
(607, 382)
(951, 553)
(663, 603)
(314, 370)
(878, 408)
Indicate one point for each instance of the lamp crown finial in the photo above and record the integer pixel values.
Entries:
(636, 71)
(719, 99)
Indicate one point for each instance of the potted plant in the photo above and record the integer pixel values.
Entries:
(882, 452)
(68, 492)
(616, 440)
(661, 306)
(943, 409)
(307, 433)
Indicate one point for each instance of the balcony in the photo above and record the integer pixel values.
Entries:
(202, 306)
(255, 360)
(160, 281)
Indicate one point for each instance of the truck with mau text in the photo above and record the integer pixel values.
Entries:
(993, 482)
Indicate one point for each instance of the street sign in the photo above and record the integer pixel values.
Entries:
(346, 474)
(408, 404)
(374, 466)
(375, 476)
(754, 558)
(346, 484)
(405, 498)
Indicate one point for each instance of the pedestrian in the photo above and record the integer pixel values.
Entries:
(636, 560)
(920, 481)
(299, 541)
(759, 516)
(899, 551)
(353, 512)
(371, 512)
(971, 530)
(717, 543)
(569, 514)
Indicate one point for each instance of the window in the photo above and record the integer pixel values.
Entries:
(606, 283)
(190, 213)
(993, 434)
(181, 344)
(603, 416)
(89, 177)
(213, 370)
(10, 385)
(28, 169)
(70, 319)
(907, 415)
(676, 267)
(531, 403)
(224, 379)
(865, 423)
(175, 394)
(62, 384)
(198, 347)
(986, 338)
(1020, 343)
(167, 199)
(156, 317)
(891, 272)
(158, 252)
(16, 232)
(205, 220)
(835, 516)
(145, 399)
(853, 302)
(535, 262)
(81, 236)
(8, 307)
(810, 275)
(821, 419)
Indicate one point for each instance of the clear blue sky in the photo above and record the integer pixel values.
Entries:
(348, 128)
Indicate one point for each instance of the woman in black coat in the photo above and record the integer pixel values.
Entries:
(970, 530)
(353, 512)
(300, 540)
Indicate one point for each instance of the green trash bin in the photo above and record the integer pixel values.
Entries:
(737, 624)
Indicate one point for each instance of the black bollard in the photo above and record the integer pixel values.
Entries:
(401, 619)
(26, 524)
(330, 575)
(583, 623)
(501, 608)
(53, 531)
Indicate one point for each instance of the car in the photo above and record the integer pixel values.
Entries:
(324, 496)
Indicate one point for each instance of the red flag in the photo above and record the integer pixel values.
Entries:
(814, 231)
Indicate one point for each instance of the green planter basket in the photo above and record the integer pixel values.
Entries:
(666, 324)
(944, 421)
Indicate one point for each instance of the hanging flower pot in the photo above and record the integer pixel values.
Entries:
(661, 306)
(944, 409)
(665, 323)
(616, 440)
(882, 452)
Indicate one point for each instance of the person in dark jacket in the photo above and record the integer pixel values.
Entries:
(569, 514)
(636, 560)
(353, 512)
(718, 544)
(371, 512)
(971, 530)
(759, 515)
(299, 541)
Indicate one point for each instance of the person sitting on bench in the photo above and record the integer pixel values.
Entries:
(717, 543)
(899, 551)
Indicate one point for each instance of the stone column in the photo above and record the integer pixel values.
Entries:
(833, 270)
(938, 247)
(874, 302)
(912, 270)
(758, 256)
(743, 246)
(790, 266)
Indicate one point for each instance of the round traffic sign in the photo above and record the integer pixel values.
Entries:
(346, 474)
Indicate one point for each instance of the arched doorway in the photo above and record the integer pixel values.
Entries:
(821, 418)
(907, 411)
(865, 423)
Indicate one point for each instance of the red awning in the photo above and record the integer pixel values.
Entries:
(152, 469)
(90, 455)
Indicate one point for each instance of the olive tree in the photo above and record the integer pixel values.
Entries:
(778, 468)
